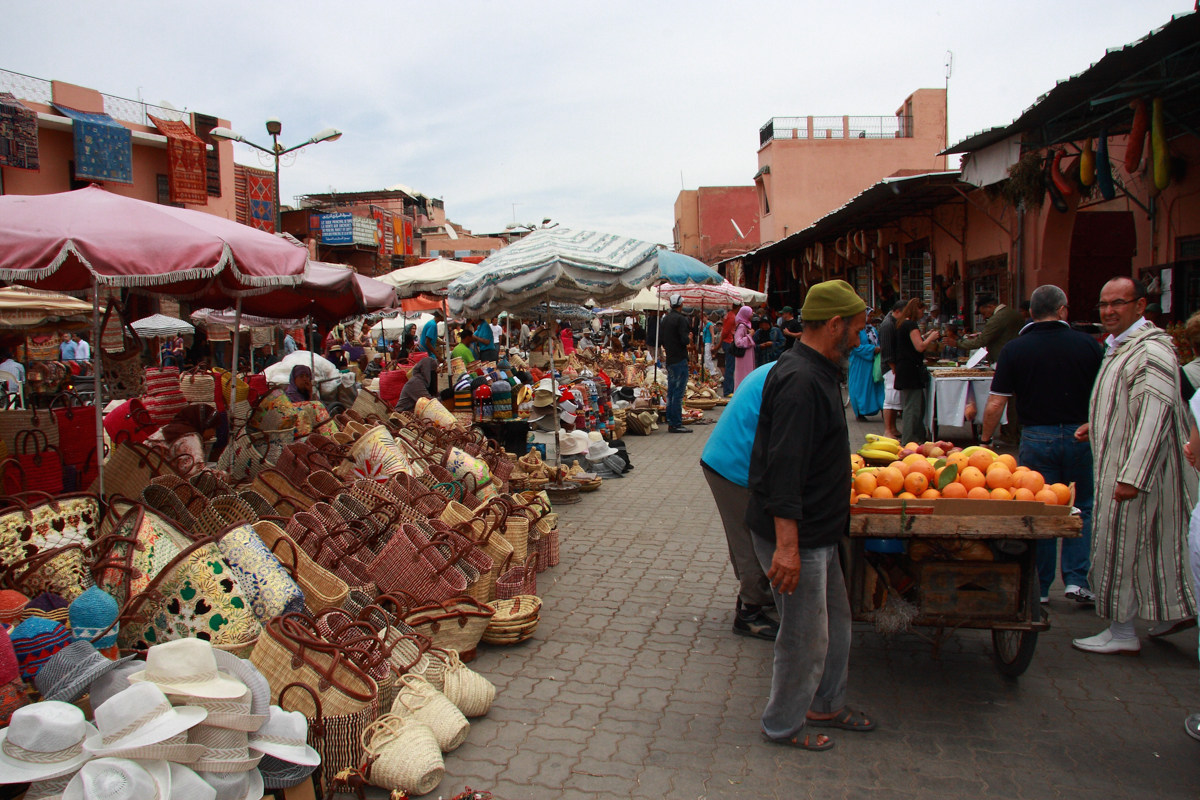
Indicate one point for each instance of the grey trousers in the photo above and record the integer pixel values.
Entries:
(812, 650)
(913, 429)
(732, 501)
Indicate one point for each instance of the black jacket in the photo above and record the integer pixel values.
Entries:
(674, 332)
(800, 446)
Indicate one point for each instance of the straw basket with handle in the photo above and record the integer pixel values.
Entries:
(322, 589)
(456, 624)
(402, 754)
(336, 736)
(418, 700)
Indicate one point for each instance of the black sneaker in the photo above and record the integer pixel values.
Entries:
(754, 623)
(680, 429)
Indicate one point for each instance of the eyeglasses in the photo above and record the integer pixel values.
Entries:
(1115, 305)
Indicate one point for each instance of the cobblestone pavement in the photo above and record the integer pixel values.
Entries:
(634, 685)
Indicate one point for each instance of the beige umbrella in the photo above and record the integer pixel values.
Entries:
(26, 309)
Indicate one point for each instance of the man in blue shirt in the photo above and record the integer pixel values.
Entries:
(485, 341)
(726, 466)
(66, 350)
(429, 334)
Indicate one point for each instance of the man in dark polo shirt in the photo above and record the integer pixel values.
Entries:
(1051, 368)
(798, 513)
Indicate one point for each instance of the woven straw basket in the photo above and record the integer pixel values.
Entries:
(418, 700)
(402, 754)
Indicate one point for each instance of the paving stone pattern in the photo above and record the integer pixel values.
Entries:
(634, 685)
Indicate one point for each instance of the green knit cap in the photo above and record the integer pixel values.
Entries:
(831, 299)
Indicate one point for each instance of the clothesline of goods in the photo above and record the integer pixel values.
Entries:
(340, 580)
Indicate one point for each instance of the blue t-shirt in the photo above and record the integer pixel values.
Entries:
(66, 351)
(708, 326)
(429, 336)
(728, 449)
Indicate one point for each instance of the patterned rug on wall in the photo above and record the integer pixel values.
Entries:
(260, 192)
(103, 147)
(187, 158)
(18, 134)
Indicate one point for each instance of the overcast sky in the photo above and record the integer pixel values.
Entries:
(587, 113)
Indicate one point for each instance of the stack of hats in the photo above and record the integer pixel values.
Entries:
(191, 723)
(603, 460)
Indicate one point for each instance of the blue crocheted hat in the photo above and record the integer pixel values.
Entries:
(91, 613)
(35, 640)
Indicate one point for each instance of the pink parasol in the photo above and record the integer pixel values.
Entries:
(74, 241)
(702, 295)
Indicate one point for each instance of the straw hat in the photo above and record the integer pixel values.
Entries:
(543, 398)
(91, 614)
(120, 779)
(235, 785)
(572, 443)
(44, 740)
(285, 736)
(68, 673)
(225, 749)
(187, 666)
(35, 640)
(49, 789)
(138, 717)
(599, 449)
(595, 436)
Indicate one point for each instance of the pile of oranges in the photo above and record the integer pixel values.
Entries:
(980, 475)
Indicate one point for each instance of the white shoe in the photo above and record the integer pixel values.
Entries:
(1105, 642)
(1172, 626)
(1079, 595)
(1045, 599)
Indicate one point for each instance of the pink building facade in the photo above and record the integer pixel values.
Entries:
(715, 222)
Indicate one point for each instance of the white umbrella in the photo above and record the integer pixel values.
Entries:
(432, 276)
(162, 325)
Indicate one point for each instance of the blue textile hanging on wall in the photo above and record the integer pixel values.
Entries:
(103, 147)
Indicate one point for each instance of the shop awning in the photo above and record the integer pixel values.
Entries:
(1165, 63)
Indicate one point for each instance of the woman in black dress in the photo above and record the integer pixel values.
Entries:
(910, 370)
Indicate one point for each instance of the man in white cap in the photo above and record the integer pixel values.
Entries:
(675, 336)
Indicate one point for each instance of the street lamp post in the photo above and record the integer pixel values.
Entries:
(274, 127)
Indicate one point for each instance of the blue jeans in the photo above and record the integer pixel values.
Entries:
(677, 375)
(1053, 451)
(730, 362)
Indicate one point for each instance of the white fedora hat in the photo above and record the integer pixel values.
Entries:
(188, 666)
(43, 740)
(187, 785)
(235, 785)
(233, 714)
(139, 716)
(285, 736)
(599, 449)
(120, 779)
(49, 789)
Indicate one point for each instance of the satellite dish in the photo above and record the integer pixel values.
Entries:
(167, 104)
(739, 230)
(453, 234)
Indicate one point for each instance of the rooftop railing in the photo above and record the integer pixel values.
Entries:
(39, 90)
(893, 127)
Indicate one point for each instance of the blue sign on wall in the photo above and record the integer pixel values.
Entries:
(337, 228)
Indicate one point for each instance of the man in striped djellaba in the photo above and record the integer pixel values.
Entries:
(1138, 426)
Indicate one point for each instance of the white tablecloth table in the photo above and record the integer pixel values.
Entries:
(947, 399)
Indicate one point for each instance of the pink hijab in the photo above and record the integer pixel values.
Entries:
(744, 314)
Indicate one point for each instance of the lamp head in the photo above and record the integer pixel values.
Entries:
(274, 126)
(226, 134)
(327, 135)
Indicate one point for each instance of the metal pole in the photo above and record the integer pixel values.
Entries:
(96, 381)
(275, 150)
(237, 328)
(554, 391)
(312, 347)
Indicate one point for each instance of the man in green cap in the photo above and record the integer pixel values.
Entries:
(798, 514)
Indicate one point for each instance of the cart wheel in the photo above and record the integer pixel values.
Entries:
(1012, 651)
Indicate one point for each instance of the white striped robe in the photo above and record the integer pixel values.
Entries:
(1140, 559)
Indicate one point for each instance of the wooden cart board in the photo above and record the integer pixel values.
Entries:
(969, 519)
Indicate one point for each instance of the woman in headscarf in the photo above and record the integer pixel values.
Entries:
(299, 386)
(743, 337)
(568, 339)
(418, 384)
(186, 434)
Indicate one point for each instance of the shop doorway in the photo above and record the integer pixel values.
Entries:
(1103, 244)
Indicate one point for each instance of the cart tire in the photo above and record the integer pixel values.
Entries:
(1012, 651)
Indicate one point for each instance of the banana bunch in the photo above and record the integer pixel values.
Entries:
(880, 449)
(974, 448)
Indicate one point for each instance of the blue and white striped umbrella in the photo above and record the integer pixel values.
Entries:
(569, 266)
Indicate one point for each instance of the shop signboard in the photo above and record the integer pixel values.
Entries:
(337, 229)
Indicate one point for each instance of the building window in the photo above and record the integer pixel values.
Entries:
(204, 124)
(762, 196)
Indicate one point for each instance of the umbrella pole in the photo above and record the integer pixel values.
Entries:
(96, 382)
(554, 390)
(237, 328)
(312, 349)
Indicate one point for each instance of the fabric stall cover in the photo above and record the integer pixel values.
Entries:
(18, 134)
(103, 147)
(187, 162)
